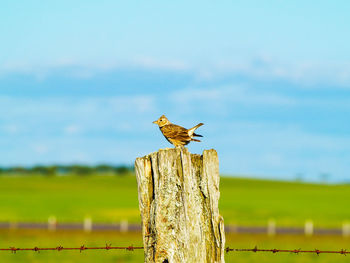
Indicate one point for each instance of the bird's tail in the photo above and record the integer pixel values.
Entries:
(191, 131)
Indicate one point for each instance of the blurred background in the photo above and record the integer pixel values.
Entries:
(81, 83)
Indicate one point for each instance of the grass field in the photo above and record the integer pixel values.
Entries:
(66, 239)
(114, 198)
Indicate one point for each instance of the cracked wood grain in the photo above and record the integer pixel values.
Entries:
(178, 200)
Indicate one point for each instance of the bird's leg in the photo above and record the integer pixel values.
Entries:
(179, 146)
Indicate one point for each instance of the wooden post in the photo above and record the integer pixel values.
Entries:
(271, 227)
(309, 228)
(87, 225)
(346, 229)
(178, 200)
(124, 226)
(52, 223)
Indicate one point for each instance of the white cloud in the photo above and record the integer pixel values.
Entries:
(71, 105)
(40, 149)
(72, 129)
(153, 63)
(11, 129)
(131, 103)
(221, 97)
(70, 116)
(303, 73)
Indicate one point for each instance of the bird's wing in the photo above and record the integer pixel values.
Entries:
(174, 131)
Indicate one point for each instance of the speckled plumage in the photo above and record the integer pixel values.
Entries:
(175, 134)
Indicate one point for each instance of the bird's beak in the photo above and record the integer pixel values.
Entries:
(155, 122)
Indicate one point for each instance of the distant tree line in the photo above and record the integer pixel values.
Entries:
(75, 169)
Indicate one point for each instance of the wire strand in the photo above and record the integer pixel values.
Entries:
(132, 248)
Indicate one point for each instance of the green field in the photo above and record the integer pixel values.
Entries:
(114, 198)
(19, 238)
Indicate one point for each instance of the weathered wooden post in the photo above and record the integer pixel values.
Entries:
(178, 200)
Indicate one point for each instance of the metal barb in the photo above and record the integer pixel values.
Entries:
(59, 248)
(82, 248)
(130, 248)
(296, 251)
(108, 246)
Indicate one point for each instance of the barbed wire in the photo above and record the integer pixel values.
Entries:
(132, 248)
(295, 251)
(60, 248)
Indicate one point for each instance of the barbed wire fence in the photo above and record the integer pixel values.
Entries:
(294, 251)
(133, 248)
(271, 228)
(80, 248)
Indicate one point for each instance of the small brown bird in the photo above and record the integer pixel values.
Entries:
(175, 134)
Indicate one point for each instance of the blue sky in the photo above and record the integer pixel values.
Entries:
(82, 81)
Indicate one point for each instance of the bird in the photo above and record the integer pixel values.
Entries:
(175, 134)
